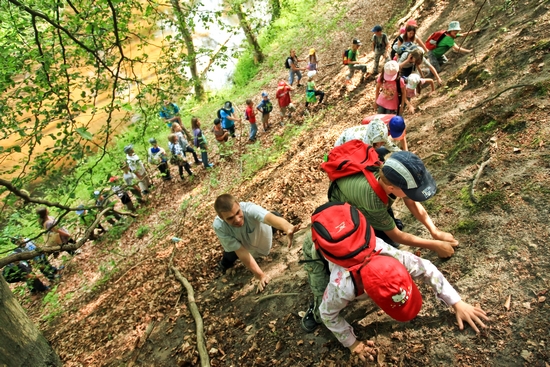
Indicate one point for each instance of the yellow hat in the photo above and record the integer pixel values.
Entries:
(312, 51)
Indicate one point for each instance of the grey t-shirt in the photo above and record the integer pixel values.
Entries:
(254, 235)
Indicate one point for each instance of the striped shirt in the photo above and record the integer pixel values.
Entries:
(356, 190)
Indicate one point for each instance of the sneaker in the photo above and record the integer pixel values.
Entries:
(308, 321)
(198, 162)
(281, 123)
(210, 165)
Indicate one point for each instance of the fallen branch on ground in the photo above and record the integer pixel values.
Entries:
(201, 346)
(476, 178)
(260, 299)
(498, 95)
(137, 349)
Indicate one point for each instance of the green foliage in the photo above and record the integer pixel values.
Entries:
(142, 231)
(471, 138)
(116, 231)
(468, 226)
(485, 202)
(51, 307)
(107, 270)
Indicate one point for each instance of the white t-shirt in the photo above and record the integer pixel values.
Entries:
(254, 235)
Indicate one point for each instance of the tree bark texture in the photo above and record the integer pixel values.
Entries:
(191, 54)
(21, 343)
(258, 54)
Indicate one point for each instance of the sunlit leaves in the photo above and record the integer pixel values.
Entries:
(85, 134)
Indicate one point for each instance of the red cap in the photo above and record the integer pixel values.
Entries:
(113, 179)
(412, 22)
(391, 287)
(282, 83)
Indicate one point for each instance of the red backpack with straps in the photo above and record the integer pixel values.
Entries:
(342, 235)
(434, 39)
(351, 158)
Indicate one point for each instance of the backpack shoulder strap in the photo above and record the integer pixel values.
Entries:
(375, 185)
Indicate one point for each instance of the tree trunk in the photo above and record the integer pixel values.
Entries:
(258, 55)
(191, 54)
(275, 9)
(21, 343)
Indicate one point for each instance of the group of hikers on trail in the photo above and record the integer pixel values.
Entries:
(352, 250)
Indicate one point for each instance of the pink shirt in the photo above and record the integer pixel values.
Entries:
(388, 97)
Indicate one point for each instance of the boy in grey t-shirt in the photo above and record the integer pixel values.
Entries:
(245, 230)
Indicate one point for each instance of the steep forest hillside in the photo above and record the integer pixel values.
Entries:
(484, 135)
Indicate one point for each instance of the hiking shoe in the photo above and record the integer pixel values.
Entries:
(221, 268)
(308, 321)
(198, 162)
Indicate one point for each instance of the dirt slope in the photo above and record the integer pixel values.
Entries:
(113, 294)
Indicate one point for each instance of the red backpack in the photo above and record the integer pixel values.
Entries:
(345, 57)
(342, 235)
(434, 39)
(351, 158)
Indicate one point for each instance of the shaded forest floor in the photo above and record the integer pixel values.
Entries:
(118, 305)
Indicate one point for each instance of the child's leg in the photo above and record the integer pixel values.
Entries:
(192, 151)
(204, 156)
(187, 168)
(321, 94)
(376, 63)
(253, 131)
(351, 71)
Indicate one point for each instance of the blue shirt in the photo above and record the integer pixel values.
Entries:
(226, 123)
(167, 112)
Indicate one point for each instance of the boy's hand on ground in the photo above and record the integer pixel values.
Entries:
(472, 315)
(444, 236)
(445, 249)
(290, 234)
(262, 283)
(364, 350)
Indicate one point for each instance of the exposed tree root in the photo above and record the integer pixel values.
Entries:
(498, 94)
(201, 346)
(476, 178)
(260, 299)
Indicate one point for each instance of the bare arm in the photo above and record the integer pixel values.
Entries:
(420, 43)
(418, 211)
(251, 264)
(282, 225)
(431, 83)
(462, 50)
(434, 72)
(442, 248)
(377, 93)
(468, 33)
(404, 145)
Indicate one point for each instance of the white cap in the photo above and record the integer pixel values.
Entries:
(412, 81)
